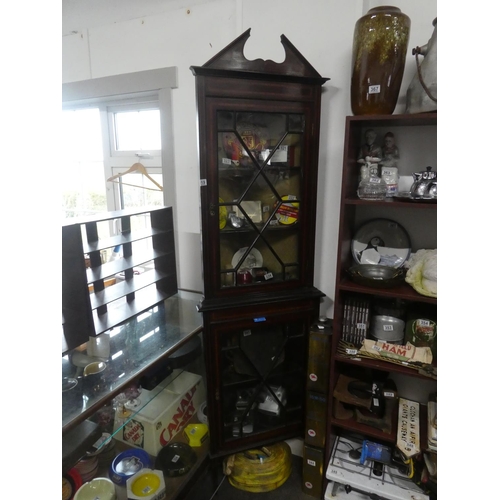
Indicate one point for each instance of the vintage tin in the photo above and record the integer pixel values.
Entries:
(320, 336)
(316, 407)
(312, 471)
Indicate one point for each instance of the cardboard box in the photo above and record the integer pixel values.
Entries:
(163, 417)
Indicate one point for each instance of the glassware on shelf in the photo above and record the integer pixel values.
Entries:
(372, 187)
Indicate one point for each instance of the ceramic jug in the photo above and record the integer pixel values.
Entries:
(421, 95)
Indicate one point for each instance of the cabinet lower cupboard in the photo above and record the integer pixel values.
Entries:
(369, 391)
(257, 358)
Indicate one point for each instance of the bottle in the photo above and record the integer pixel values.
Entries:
(116, 253)
(373, 187)
(391, 177)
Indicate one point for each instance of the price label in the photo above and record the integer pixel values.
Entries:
(388, 328)
(423, 322)
(226, 161)
(375, 180)
(246, 333)
(361, 326)
(268, 276)
(374, 89)
(351, 352)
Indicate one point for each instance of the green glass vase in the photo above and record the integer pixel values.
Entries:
(379, 52)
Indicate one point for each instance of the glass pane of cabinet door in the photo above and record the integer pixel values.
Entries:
(260, 177)
(262, 382)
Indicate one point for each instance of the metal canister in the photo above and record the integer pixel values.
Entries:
(320, 336)
(421, 332)
(244, 277)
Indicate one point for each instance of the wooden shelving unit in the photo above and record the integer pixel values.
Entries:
(89, 307)
(416, 138)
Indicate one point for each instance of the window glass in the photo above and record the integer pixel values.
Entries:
(137, 130)
(144, 194)
(83, 187)
(89, 163)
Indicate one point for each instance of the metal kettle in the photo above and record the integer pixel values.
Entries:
(424, 184)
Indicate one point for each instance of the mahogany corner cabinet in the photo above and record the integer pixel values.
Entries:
(258, 150)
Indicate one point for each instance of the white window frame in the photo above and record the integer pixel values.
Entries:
(143, 103)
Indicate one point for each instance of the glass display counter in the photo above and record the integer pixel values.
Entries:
(113, 369)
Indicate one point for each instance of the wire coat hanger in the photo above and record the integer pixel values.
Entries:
(136, 168)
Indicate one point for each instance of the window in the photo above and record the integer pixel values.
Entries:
(135, 129)
(135, 137)
(139, 87)
(102, 142)
(82, 176)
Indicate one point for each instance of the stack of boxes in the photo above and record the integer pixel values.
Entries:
(318, 372)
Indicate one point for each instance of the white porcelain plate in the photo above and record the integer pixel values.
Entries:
(254, 258)
(381, 242)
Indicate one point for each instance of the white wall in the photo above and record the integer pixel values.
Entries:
(102, 38)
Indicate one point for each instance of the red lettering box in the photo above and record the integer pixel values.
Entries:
(162, 418)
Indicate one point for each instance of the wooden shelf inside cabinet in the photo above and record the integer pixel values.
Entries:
(375, 364)
(392, 202)
(371, 432)
(410, 120)
(404, 292)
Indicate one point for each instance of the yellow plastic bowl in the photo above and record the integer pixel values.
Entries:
(145, 484)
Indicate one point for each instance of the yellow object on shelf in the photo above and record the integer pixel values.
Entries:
(260, 469)
(222, 215)
(196, 434)
(288, 213)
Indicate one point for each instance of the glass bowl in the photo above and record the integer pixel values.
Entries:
(376, 276)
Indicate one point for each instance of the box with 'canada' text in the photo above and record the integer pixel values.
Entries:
(162, 418)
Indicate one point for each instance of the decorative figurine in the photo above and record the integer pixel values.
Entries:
(369, 153)
(389, 164)
(390, 152)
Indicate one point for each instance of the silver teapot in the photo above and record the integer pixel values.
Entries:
(424, 184)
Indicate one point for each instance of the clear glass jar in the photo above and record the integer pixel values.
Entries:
(373, 187)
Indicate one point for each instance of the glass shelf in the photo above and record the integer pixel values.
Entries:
(128, 350)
